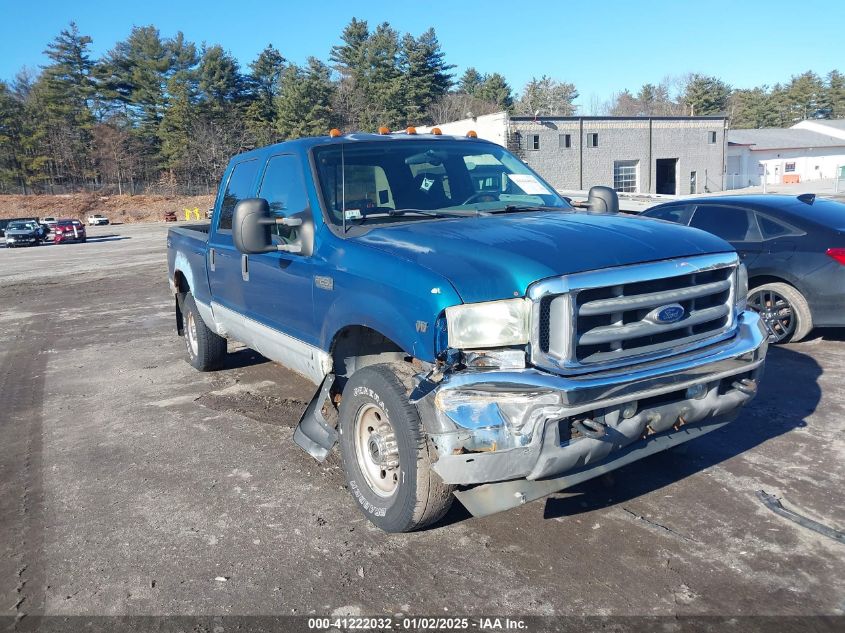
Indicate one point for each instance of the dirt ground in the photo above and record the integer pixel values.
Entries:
(132, 485)
(119, 209)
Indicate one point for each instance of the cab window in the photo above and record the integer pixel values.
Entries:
(238, 188)
(284, 189)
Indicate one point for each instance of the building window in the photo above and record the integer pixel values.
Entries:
(693, 182)
(564, 141)
(593, 139)
(534, 141)
(789, 167)
(711, 138)
(625, 175)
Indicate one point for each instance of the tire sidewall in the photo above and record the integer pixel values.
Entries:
(190, 307)
(394, 513)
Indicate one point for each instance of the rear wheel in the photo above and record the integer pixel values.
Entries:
(206, 349)
(784, 310)
(386, 455)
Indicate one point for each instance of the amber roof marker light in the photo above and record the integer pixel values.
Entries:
(384, 130)
(472, 134)
(436, 131)
(334, 132)
(411, 130)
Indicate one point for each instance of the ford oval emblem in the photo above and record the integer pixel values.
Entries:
(664, 315)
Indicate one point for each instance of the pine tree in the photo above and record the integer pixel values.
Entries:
(706, 95)
(834, 96)
(470, 82)
(265, 74)
(64, 93)
(804, 96)
(303, 107)
(425, 75)
(495, 89)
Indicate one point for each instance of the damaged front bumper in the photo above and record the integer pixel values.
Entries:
(496, 425)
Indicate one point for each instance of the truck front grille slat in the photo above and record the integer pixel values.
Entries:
(612, 312)
(610, 333)
(607, 306)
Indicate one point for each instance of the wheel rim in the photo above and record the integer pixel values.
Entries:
(776, 312)
(191, 332)
(376, 450)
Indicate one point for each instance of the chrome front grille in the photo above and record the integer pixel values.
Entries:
(608, 318)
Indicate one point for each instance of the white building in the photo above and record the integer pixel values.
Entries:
(810, 150)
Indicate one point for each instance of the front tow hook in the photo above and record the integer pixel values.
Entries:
(590, 428)
(746, 386)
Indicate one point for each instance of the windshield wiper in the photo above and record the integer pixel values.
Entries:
(435, 213)
(513, 208)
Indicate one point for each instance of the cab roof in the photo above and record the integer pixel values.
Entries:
(306, 143)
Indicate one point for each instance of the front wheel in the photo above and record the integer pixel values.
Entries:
(784, 310)
(386, 455)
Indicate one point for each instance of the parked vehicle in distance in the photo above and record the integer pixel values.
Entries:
(97, 220)
(169, 216)
(793, 247)
(482, 338)
(23, 233)
(69, 230)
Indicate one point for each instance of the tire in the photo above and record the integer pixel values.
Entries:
(793, 320)
(206, 349)
(375, 413)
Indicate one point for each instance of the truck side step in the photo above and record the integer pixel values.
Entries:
(313, 433)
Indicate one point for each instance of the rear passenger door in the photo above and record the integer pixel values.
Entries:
(736, 225)
(225, 262)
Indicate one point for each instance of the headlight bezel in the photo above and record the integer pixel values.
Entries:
(474, 326)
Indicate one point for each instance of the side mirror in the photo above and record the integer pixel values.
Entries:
(251, 224)
(602, 200)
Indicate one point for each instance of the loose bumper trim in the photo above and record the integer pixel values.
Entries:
(478, 443)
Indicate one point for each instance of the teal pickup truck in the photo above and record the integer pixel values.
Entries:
(469, 334)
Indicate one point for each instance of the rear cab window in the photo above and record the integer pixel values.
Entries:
(238, 188)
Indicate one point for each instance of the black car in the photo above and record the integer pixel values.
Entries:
(793, 247)
(23, 233)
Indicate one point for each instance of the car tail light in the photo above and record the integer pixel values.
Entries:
(838, 254)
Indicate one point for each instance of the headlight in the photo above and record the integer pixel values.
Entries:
(490, 324)
(741, 288)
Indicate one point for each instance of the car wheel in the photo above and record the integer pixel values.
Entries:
(386, 455)
(784, 310)
(206, 348)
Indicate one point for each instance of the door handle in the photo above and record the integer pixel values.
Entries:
(211, 260)
(245, 267)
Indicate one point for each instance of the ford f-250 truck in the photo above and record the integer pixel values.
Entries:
(470, 334)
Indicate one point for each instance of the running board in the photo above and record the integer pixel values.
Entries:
(313, 433)
(488, 499)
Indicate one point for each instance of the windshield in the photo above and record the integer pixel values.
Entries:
(427, 178)
(22, 226)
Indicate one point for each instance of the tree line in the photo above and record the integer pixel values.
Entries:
(163, 114)
(805, 96)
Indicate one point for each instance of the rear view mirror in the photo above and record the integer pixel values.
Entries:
(251, 228)
(603, 200)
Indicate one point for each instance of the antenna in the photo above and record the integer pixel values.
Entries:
(343, 186)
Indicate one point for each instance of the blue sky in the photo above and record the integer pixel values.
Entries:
(600, 46)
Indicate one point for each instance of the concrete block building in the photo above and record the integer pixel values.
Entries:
(665, 155)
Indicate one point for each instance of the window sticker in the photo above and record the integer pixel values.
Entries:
(352, 214)
(529, 183)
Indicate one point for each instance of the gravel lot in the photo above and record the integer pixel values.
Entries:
(130, 484)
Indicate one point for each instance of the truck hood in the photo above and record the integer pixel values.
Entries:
(499, 256)
(21, 233)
